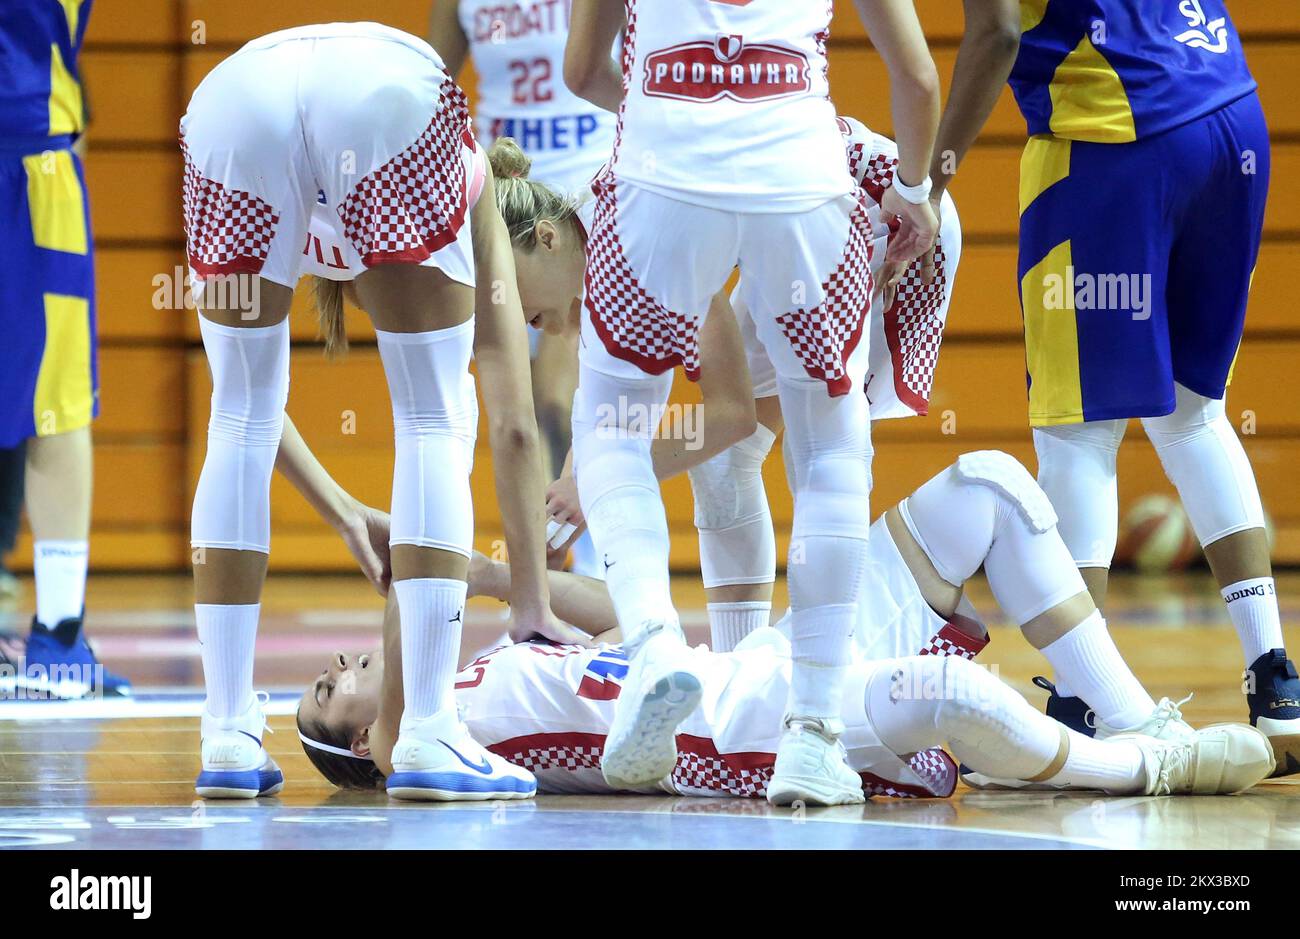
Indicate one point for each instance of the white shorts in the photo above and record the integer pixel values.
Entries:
(654, 264)
(904, 340)
(357, 117)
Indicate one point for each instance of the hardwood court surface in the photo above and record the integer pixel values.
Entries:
(74, 781)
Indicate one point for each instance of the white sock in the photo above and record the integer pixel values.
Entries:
(1088, 663)
(1252, 605)
(819, 647)
(227, 635)
(60, 569)
(433, 613)
(1112, 765)
(731, 622)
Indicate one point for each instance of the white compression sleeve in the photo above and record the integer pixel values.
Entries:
(250, 385)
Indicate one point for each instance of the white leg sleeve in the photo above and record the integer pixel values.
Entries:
(614, 422)
(924, 701)
(1204, 459)
(961, 524)
(732, 516)
(250, 385)
(1076, 468)
(830, 452)
(435, 422)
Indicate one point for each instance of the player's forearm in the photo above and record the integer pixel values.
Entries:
(716, 429)
(984, 60)
(913, 80)
(517, 467)
(299, 465)
(582, 601)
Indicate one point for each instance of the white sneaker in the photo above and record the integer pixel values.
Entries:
(1164, 723)
(1219, 759)
(235, 764)
(812, 766)
(660, 691)
(436, 760)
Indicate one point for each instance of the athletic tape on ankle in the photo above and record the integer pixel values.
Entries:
(337, 751)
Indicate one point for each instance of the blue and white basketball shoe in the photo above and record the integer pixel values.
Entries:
(436, 760)
(235, 764)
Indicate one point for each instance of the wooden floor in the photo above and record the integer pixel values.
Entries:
(69, 778)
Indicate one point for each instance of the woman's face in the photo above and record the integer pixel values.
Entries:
(550, 279)
(345, 696)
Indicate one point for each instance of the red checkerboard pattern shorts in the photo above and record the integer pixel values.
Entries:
(654, 264)
(355, 119)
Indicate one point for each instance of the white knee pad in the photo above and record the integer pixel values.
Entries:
(987, 510)
(737, 545)
(1204, 459)
(250, 385)
(435, 423)
(1076, 468)
(614, 421)
(923, 701)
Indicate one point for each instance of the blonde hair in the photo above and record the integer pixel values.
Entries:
(524, 202)
(329, 315)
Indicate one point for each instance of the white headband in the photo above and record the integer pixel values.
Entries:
(337, 751)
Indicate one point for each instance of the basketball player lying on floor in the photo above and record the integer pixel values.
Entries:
(547, 708)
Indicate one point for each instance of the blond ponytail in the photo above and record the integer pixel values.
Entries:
(329, 314)
(524, 202)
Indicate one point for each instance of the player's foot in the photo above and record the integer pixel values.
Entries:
(235, 764)
(1164, 723)
(660, 691)
(1273, 694)
(1071, 711)
(58, 664)
(1217, 760)
(436, 760)
(812, 767)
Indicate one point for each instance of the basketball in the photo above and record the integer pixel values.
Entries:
(1156, 536)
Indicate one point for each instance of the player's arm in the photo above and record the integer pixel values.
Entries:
(582, 601)
(727, 416)
(383, 733)
(446, 35)
(501, 353)
(984, 60)
(363, 529)
(589, 68)
(914, 102)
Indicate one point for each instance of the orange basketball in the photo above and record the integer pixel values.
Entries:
(1156, 536)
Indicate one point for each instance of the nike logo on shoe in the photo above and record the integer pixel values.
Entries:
(484, 767)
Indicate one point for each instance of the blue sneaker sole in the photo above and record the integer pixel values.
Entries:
(457, 787)
(244, 784)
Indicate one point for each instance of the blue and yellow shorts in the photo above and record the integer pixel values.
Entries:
(1135, 264)
(48, 371)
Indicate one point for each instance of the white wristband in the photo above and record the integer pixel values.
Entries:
(913, 194)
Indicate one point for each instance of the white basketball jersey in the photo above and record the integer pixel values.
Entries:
(548, 708)
(518, 52)
(726, 104)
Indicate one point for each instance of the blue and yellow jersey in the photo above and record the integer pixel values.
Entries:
(40, 87)
(1114, 71)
